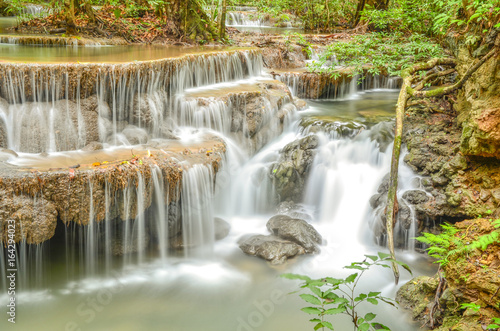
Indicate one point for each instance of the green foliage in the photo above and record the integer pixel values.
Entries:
(473, 306)
(483, 13)
(451, 242)
(495, 324)
(315, 14)
(334, 296)
(378, 52)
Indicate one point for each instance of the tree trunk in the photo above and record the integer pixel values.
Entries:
(69, 16)
(222, 20)
(191, 20)
(377, 4)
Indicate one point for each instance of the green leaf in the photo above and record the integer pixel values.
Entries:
(335, 311)
(380, 326)
(370, 316)
(364, 327)
(315, 320)
(351, 278)
(311, 299)
(295, 276)
(318, 326)
(311, 310)
(316, 291)
(334, 281)
(360, 297)
(373, 294)
(327, 325)
(372, 257)
(383, 255)
(372, 301)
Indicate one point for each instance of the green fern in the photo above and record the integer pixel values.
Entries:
(447, 243)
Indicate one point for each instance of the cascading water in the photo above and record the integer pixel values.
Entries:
(137, 226)
(242, 19)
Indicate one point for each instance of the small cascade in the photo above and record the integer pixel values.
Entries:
(239, 18)
(35, 10)
(215, 114)
(345, 172)
(242, 8)
(198, 211)
(322, 86)
(49, 109)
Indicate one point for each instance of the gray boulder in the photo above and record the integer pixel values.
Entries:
(271, 248)
(296, 230)
(292, 169)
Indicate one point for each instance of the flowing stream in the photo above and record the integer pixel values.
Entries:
(68, 283)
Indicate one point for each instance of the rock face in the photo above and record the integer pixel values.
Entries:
(296, 230)
(38, 199)
(469, 278)
(43, 126)
(292, 169)
(251, 114)
(479, 101)
(35, 219)
(290, 237)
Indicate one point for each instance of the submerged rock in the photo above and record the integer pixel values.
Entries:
(291, 171)
(271, 248)
(221, 228)
(296, 230)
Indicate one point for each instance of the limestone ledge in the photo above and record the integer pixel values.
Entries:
(37, 197)
(20, 82)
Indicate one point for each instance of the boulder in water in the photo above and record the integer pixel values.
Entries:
(271, 248)
(292, 169)
(296, 230)
(221, 228)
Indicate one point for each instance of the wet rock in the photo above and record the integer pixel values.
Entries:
(299, 103)
(6, 154)
(296, 230)
(148, 108)
(270, 248)
(120, 246)
(35, 220)
(417, 295)
(293, 210)
(415, 197)
(135, 135)
(221, 228)
(4, 143)
(93, 146)
(292, 169)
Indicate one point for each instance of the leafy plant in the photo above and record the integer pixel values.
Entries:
(378, 52)
(495, 324)
(333, 296)
(448, 243)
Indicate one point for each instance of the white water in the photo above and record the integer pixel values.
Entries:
(238, 19)
(215, 286)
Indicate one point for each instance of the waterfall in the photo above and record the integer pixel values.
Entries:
(320, 86)
(241, 19)
(198, 211)
(128, 97)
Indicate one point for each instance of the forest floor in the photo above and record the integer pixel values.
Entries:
(113, 25)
